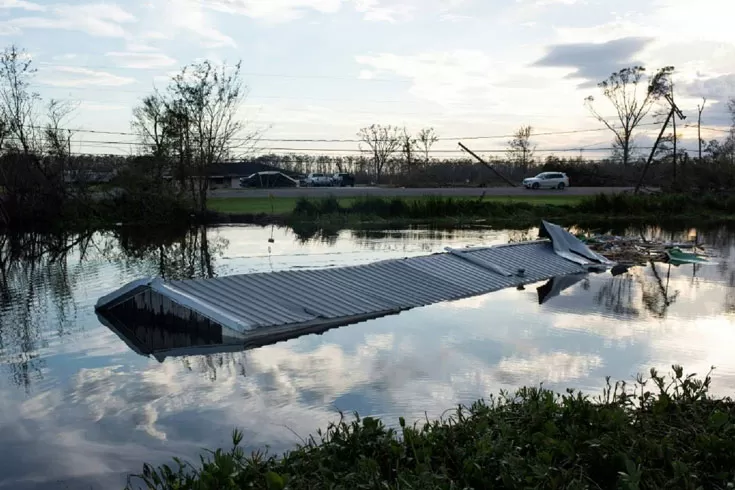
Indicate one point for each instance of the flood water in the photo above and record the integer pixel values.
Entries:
(80, 409)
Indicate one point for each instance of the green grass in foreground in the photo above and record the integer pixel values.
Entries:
(286, 205)
(665, 433)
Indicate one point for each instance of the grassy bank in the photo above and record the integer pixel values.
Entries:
(287, 205)
(525, 210)
(665, 433)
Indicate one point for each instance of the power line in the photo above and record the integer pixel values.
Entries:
(244, 73)
(337, 140)
(281, 97)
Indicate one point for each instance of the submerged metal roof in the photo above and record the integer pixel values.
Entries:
(252, 306)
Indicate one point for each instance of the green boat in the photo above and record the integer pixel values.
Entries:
(678, 257)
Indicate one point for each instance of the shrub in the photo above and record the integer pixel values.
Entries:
(673, 436)
(305, 207)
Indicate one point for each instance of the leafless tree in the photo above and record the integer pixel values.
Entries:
(34, 168)
(520, 149)
(56, 136)
(622, 91)
(426, 138)
(18, 103)
(408, 149)
(150, 122)
(381, 142)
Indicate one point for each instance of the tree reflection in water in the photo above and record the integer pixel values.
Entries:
(617, 295)
(40, 273)
(37, 284)
(41, 277)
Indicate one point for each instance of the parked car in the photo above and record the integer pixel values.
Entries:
(268, 179)
(547, 180)
(318, 180)
(343, 180)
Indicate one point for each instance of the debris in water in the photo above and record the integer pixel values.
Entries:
(637, 251)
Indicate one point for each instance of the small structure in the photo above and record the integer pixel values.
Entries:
(261, 308)
(228, 175)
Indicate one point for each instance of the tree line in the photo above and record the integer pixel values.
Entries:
(195, 123)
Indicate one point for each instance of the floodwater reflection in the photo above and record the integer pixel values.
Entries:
(87, 404)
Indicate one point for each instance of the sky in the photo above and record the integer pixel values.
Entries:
(322, 69)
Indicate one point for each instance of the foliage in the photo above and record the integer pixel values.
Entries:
(662, 205)
(192, 126)
(426, 208)
(380, 142)
(663, 433)
(626, 205)
(631, 104)
(41, 183)
(520, 148)
(425, 140)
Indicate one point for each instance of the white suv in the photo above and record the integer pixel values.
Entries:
(315, 180)
(547, 180)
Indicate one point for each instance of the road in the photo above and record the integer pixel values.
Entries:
(412, 192)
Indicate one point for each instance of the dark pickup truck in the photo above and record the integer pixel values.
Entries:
(343, 180)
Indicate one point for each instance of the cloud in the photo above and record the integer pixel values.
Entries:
(375, 11)
(141, 59)
(190, 15)
(467, 84)
(103, 20)
(555, 367)
(101, 107)
(84, 77)
(274, 10)
(718, 91)
(592, 62)
(21, 4)
(546, 3)
(714, 88)
(288, 10)
(440, 76)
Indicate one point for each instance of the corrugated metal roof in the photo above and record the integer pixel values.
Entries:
(255, 304)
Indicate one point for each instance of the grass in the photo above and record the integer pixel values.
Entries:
(525, 210)
(286, 205)
(661, 433)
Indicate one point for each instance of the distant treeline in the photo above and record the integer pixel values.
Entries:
(715, 171)
(187, 131)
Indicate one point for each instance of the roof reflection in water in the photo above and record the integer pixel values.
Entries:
(161, 336)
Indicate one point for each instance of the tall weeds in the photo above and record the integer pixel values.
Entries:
(654, 206)
(661, 433)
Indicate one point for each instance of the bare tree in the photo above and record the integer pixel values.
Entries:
(520, 149)
(18, 104)
(150, 121)
(58, 138)
(700, 109)
(381, 142)
(426, 138)
(622, 90)
(33, 168)
(408, 149)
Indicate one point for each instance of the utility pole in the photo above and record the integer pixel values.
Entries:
(508, 181)
(673, 123)
(680, 115)
(700, 109)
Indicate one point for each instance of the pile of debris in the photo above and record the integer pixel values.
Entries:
(639, 251)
